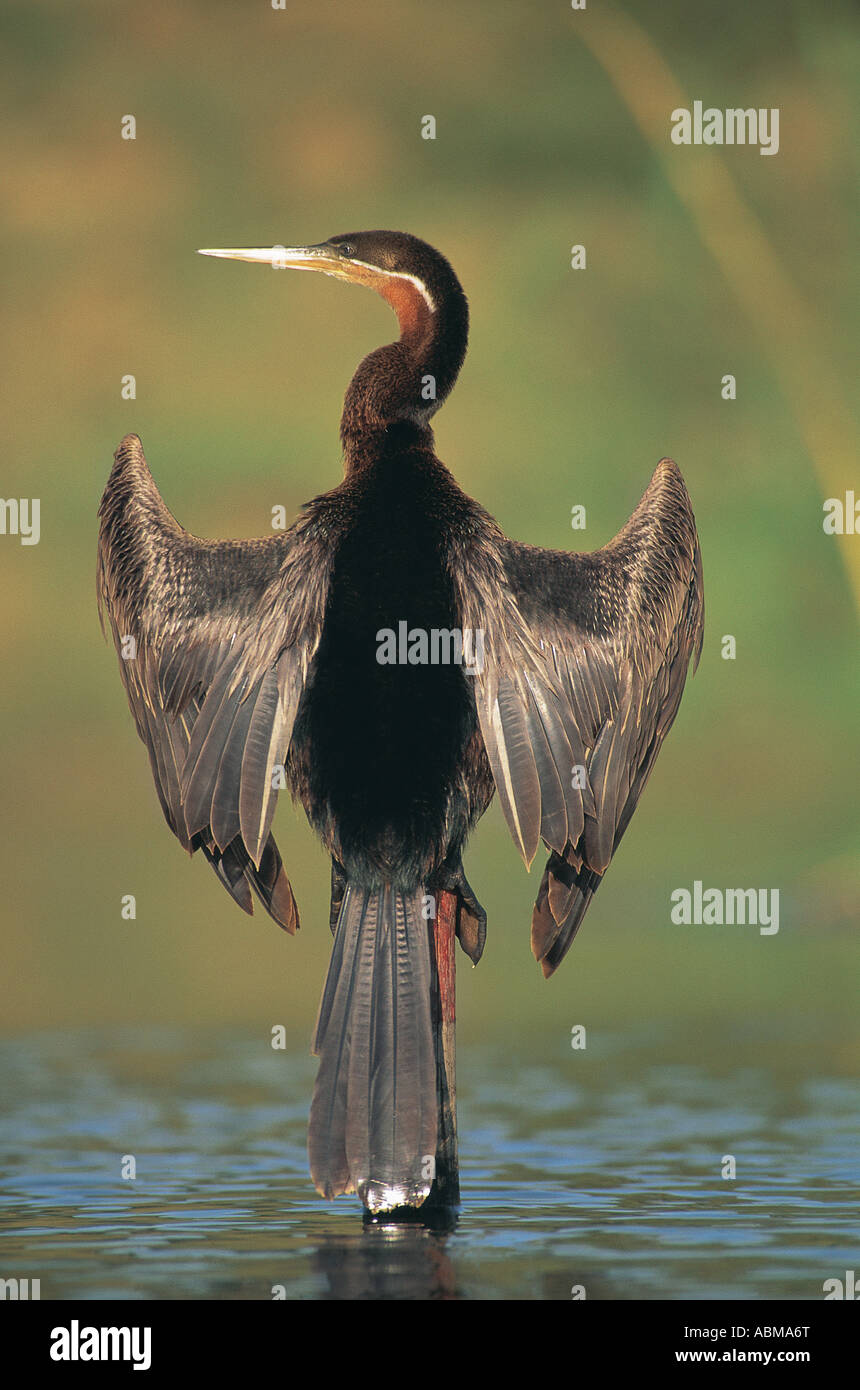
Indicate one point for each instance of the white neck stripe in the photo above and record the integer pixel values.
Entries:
(402, 275)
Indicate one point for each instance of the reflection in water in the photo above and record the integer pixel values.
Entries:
(387, 1262)
(602, 1172)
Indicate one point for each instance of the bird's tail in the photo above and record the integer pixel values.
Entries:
(373, 1123)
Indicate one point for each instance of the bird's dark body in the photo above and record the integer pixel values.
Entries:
(245, 659)
(385, 757)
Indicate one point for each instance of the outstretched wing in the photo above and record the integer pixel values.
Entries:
(214, 640)
(584, 662)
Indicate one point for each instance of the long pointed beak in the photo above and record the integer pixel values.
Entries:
(287, 257)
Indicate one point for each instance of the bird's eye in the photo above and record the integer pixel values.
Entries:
(347, 249)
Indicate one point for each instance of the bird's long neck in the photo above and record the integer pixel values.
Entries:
(407, 380)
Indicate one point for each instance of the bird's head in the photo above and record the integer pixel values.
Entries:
(411, 275)
(421, 287)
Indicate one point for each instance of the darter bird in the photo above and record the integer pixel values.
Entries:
(393, 658)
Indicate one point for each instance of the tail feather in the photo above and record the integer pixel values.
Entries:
(374, 1116)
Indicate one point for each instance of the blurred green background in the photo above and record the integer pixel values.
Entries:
(257, 126)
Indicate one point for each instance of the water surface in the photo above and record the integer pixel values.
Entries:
(605, 1175)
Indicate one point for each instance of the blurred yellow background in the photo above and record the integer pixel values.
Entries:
(258, 126)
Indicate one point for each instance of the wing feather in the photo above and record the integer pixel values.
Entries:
(215, 640)
(585, 660)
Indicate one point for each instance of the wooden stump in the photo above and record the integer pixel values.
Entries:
(446, 1187)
